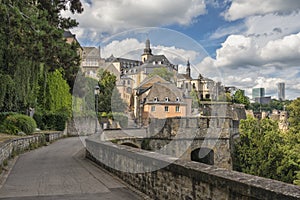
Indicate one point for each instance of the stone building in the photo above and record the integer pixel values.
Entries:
(91, 61)
(158, 98)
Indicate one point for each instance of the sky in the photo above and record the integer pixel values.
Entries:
(242, 43)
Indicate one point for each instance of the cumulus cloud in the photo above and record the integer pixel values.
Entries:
(285, 51)
(132, 48)
(105, 16)
(244, 8)
(245, 64)
(242, 51)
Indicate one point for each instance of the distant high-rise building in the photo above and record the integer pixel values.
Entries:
(281, 91)
(258, 92)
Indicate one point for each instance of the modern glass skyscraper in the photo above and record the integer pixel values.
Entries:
(281, 91)
(258, 92)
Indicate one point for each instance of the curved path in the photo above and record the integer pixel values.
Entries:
(60, 172)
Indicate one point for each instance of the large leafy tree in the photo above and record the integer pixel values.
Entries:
(109, 97)
(58, 93)
(31, 46)
(263, 150)
(294, 116)
(239, 97)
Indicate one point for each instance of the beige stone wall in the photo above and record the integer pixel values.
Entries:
(185, 180)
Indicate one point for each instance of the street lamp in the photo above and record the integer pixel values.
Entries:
(96, 93)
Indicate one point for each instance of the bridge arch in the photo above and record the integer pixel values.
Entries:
(203, 155)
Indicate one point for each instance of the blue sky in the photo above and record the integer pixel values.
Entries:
(245, 43)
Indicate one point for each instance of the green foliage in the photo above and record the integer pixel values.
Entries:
(31, 46)
(51, 121)
(264, 151)
(16, 123)
(273, 105)
(58, 95)
(162, 72)
(195, 99)
(239, 97)
(109, 98)
(294, 115)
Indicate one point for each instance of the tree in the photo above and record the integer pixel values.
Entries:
(239, 97)
(294, 116)
(263, 150)
(109, 97)
(31, 40)
(162, 72)
(58, 93)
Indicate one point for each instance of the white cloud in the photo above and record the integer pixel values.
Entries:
(242, 51)
(105, 16)
(244, 63)
(244, 8)
(132, 48)
(120, 48)
(284, 52)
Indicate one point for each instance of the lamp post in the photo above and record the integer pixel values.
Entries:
(96, 93)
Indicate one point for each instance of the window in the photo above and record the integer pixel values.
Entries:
(166, 108)
(155, 99)
(177, 99)
(152, 108)
(128, 82)
(167, 99)
(186, 85)
(177, 109)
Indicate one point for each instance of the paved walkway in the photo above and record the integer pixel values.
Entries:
(60, 172)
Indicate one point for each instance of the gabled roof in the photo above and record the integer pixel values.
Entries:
(158, 58)
(150, 81)
(162, 90)
(68, 34)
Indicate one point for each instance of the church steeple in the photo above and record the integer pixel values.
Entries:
(188, 68)
(147, 51)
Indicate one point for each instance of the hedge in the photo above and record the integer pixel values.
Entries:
(51, 121)
(15, 123)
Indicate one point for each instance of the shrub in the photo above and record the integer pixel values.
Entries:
(15, 123)
(51, 121)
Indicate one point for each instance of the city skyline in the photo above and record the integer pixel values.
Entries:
(251, 47)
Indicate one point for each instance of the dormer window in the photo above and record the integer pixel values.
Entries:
(177, 99)
(155, 99)
(167, 99)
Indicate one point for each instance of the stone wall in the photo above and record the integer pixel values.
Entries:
(10, 148)
(183, 179)
(181, 136)
(80, 126)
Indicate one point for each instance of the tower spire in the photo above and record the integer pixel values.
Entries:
(188, 68)
(147, 51)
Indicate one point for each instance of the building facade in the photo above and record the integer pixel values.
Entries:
(281, 91)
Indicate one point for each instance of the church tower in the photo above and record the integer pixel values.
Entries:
(147, 51)
(188, 68)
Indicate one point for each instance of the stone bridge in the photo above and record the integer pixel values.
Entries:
(206, 139)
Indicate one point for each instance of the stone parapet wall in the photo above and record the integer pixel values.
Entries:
(184, 179)
(10, 148)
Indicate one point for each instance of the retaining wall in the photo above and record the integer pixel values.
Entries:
(184, 179)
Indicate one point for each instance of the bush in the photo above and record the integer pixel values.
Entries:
(51, 121)
(15, 123)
